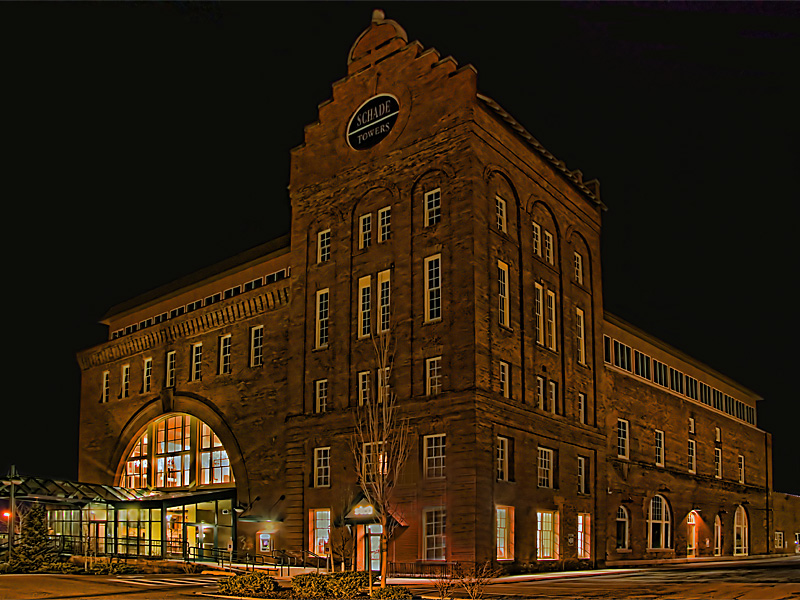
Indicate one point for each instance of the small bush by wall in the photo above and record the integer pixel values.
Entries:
(253, 585)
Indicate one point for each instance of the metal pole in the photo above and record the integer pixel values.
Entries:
(13, 481)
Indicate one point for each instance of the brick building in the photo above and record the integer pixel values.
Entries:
(543, 428)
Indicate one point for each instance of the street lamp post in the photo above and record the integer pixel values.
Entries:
(13, 480)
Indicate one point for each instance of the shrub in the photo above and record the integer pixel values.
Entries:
(392, 592)
(335, 585)
(254, 585)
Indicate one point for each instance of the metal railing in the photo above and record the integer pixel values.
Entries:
(418, 569)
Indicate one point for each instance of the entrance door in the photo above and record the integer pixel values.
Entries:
(375, 546)
(201, 536)
(691, 534)
(97, 537)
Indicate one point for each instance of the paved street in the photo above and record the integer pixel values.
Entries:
(64, 587)
(771, 579)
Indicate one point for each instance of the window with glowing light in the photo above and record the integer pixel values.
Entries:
(177, 451)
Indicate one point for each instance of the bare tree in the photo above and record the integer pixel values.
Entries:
(474, 577)
(381, 444)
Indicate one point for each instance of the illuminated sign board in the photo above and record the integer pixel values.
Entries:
(372, 122)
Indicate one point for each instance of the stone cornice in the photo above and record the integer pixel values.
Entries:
(202, 321)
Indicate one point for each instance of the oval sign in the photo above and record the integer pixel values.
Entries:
(372, 121)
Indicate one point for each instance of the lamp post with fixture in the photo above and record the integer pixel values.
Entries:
(13, 480)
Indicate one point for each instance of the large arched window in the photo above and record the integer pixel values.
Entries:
(658, 520)
(623, 528)
(177, 451)
(740, 532)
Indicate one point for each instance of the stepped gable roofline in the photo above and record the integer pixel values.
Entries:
(272, 249)
(622, 324)
(590, 189)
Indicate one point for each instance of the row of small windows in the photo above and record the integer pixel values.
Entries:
(659, 449)
(624, 357)
(433, 462)
(207, 301)
(546, 394)
(224, 367)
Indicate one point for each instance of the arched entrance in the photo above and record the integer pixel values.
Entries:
(740, 532)
(180, 454)
(717, 536)
(692, 525)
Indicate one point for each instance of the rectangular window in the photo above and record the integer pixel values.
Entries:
(622, 356)
(500, 211)
(503, 458)
(384, 390)
(582, 408)
(147, 377)
(691, 424)
(584, 536)
(106, 392)
(718, 463)
(641, 364)
(579, 268)
(705, 394)
(373, 460)
(197, 362)
(692, 457)
(225, 354)
(779, 539)
(717, 398)
(583, 475)
(257, 346)
(580, 337)
(548, 247)
(364, 231)
(363, 388)
(741, 469)
(691, 387)
(324, 246)
(538, 312)
(322, 467)
(364, 306)
(126, 381)
(537, 238)
(505, 380)
(434, 539)
(385, 223)
(545, 470)
(675, 380)
(321, 395)
(170, 370)
(606, 349)
(660, 373)
(540, 401)
(623, 449)
(322, 318)
(502, 293)
(550, 331)
(552, 396)
(659, 448)
(433, 376)
(717, 434)
(433, 288)
(434, 456)
(384, 301)
(504, 528)
(547, 535)
(320, 530)
(433, 207)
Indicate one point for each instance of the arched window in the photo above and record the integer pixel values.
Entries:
(177, 451)
(658, 520)
(623, 529)
(717, 536)
(740, 532)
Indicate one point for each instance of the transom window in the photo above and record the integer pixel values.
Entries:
(186, 453)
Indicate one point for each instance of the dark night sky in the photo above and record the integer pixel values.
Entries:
(145, 141)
